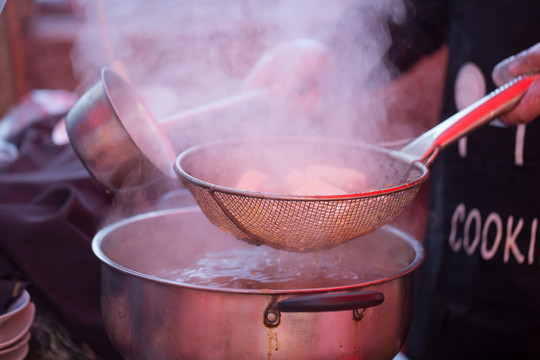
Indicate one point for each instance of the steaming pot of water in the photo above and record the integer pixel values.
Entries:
(174, 286)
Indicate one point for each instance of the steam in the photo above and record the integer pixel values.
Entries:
(180, 54)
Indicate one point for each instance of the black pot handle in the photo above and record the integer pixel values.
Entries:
(331, 302)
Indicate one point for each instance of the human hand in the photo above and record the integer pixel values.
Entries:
(526, 62)
(292, 71)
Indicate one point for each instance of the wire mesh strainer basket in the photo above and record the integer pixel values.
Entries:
(301, 222)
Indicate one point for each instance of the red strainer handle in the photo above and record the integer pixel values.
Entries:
(426, 146)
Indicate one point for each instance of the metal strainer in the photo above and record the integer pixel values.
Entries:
(306, 223)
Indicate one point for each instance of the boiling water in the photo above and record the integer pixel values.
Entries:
(263, 268)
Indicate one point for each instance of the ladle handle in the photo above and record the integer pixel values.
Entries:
(426, 146)
(169, 121)
(331, 302)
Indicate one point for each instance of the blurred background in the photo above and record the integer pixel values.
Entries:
(36, 37)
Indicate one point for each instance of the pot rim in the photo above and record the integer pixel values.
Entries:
(103, 232)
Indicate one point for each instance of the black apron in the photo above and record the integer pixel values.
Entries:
(478, 291)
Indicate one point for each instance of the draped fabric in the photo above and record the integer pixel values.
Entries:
(50, 209)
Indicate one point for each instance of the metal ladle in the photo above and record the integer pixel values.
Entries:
(119, 141)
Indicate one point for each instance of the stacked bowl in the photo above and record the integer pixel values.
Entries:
(15, 328)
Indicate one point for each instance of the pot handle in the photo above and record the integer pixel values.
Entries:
(331, 302)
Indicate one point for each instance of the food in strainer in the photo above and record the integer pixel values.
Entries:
(252, 180)
(350, 180)
(318, 187)
(316, 179)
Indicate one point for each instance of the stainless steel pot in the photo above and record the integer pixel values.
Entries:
(151, 315)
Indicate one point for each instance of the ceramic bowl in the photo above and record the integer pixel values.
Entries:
(16, 307)
(17, 326)
(16, 351)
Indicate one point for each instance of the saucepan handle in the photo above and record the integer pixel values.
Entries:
(331, 302)
(170, 123)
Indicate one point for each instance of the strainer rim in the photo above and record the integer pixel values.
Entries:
(185, 176)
